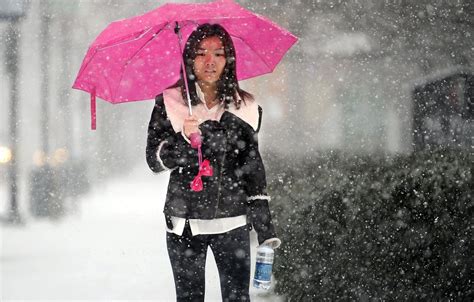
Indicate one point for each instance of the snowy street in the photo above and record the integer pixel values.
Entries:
(113, 248)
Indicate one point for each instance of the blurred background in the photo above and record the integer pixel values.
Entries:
(366, 77)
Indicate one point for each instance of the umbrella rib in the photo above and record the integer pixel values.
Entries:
(126, 41)
(138, 51)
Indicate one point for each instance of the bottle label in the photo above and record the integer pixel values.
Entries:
(263, 271)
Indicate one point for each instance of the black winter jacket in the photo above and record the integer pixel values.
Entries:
(238, 184)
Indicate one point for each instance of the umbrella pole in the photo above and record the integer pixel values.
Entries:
(183, 67)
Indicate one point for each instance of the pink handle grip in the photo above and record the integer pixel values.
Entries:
(195, 140)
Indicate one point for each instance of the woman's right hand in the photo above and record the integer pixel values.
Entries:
(191, 125)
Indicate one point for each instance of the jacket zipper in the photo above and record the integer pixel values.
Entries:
(219, 187)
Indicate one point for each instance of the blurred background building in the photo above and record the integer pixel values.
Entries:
(356, 81)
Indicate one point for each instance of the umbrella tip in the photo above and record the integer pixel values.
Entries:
(176, 28)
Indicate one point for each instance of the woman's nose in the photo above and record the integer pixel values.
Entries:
(209, 60)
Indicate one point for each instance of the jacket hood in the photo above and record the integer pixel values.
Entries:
(177, 110)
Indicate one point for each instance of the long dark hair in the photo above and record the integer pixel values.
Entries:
(227, 85)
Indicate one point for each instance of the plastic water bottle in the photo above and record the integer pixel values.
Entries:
(263, 267)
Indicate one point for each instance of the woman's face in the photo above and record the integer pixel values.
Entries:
(210, 60)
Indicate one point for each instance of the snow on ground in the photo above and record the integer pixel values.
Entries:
(112, 248)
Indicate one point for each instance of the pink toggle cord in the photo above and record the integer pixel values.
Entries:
(205, 168)
(93, 111)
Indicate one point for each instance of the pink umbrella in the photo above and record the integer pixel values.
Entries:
(137, 58)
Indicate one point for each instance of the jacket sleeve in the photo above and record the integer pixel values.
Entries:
(256, 189)
(165, 149)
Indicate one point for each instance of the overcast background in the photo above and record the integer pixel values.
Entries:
(346, 85)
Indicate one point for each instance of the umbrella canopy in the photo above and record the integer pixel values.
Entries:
(137, 58)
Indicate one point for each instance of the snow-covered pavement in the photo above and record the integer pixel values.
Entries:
(112, 248)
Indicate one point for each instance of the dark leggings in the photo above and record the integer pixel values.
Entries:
(188, 260)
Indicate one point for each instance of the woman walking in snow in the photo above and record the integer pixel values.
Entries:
(233, 198)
